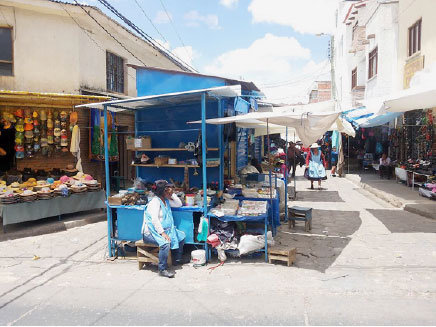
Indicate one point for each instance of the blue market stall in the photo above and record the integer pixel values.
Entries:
(164, 117)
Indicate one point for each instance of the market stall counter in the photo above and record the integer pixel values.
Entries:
(128, 219)
(53, 207)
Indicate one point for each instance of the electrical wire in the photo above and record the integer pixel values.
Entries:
(147, 37)
(98, 23)
(151, 22)
(87, 33)
(174, 28)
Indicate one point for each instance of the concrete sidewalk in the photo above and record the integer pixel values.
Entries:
(395, 193)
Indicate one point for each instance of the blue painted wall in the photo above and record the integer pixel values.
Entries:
(152, 82)
(160, 122)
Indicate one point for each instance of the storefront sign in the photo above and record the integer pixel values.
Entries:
(410, 68)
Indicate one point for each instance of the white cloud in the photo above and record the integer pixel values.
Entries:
(195, 19)
(229, 3)
(187, 54)
(279, 66)
(162, 17)
(304, 16)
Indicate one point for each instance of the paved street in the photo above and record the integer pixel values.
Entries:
(364, 262)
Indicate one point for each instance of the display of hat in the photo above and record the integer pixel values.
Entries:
(50, 132)
(44, 141)
(18, 140)
(57, 124)
(50, 180)
(57, 140)
(19, 113)
(63, 124)
(55, 114)
(70, 168)
(79, 175)
(50, 123)
(314, 146)
(50, 139)
(28, 120)
(6, 124)
(36, 122)
(74, 117)
(50, 114)
(28, 134)
(28, 127)
(63, 115)
(36, 147)
(57, 131)
(35, 114)
(64, 143)
(64, 179)
(43, 115)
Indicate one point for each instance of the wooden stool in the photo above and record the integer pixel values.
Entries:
(300, 214)
(282, 254)
(148, 253)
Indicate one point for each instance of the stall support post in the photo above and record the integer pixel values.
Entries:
(203, 155)
(108, 185)
(286, 176)
(270, 193)
(221, 147)
(136, 135)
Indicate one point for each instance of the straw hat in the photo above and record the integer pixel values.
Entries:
(314, 146)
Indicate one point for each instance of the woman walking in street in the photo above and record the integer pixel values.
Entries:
(315, 166)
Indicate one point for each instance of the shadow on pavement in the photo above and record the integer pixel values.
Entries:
(400, 221)
(319, 248)
(321, 196)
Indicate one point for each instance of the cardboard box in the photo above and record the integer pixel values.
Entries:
(130, 144)
(143, 142)
(114, 200)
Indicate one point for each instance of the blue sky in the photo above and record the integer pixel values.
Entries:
(270, 42)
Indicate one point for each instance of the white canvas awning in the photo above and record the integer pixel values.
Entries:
(309, 126)
(168, 99)
(412, 99)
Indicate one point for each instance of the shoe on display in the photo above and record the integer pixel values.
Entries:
(166, 273)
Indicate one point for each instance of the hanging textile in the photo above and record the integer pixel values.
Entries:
(97, 136)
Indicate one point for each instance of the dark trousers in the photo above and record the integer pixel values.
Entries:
(385, 171)
(292, 165)
(164, 251)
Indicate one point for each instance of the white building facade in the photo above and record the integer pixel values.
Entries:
(52, 46)
(365, 51)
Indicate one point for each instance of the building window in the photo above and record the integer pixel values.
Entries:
(415, 37)
(6, 56)
(114, 73)
(372, 60)
(354, 78)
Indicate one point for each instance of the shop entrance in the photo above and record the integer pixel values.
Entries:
(7, 150)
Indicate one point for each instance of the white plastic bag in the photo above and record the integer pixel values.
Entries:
(250, 243)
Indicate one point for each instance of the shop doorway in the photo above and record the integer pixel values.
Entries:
(123, 170)
(7, 149)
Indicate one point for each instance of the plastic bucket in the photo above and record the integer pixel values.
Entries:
(190, 200)
(198, 257)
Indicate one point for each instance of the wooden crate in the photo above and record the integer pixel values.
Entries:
(148, 253)
(287, 255)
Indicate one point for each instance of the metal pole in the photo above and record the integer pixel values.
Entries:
(286, 176)
(203, 154)
(221, 147)
(108, 185)
(348, 161)
(270, 193)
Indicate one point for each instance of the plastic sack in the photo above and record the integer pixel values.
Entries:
(250, 243)
(139, 184)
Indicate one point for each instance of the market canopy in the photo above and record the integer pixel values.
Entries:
(309, 126)
(168, 99)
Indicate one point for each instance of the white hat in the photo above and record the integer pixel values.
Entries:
(314, 146)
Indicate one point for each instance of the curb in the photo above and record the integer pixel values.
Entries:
(51, 227)
(389, 198)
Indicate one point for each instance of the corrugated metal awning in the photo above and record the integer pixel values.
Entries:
(168, 99)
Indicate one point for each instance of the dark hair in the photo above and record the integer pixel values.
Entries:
(160, 186)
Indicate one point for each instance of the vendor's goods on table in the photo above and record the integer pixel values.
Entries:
(252, 208)
(43, 189)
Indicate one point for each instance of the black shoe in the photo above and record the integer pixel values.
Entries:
(181, 262)
(166, 273)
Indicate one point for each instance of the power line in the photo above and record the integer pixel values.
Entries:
(147, 37)
(87, 33)
(174, 28)
(95, 20)
(151, 22)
